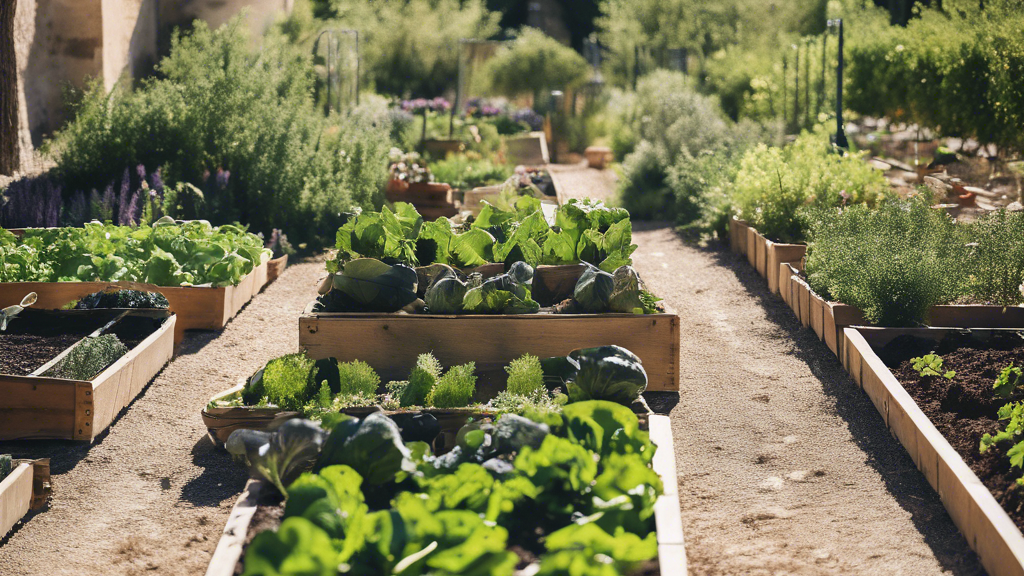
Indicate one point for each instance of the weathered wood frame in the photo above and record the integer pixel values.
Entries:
(197, 308)
(390, 343)
(37, 407)
(667, 516)
(829, 319)
(989, 530)
(26, 488)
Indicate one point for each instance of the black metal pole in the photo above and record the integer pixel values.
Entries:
(840, 133)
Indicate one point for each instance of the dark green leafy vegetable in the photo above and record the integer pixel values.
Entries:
(373, 448)
(602, 373)
(373, 286)
(594, 290)
(421, 381)
(278, 457)
(503, 294)
(446, 293)
(122, 299)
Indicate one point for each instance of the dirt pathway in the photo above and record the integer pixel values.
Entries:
(152, 495)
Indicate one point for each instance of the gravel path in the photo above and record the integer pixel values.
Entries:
(151, 496)
(784, 465)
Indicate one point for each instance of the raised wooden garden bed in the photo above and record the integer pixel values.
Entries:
(390, 343)
(35, 406)
(26, 488)
(763, 254)
(990, 532)
(275, 268)
(829, 319)
(667, 515)
(197, 308)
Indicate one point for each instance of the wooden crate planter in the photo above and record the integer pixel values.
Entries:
(390, 343)
(275, 268)
(777, 254)
(667, 516)
(197, 308)
(738, 235)
(26, 488)
(37, 407)
(989, 530)
(829, 319)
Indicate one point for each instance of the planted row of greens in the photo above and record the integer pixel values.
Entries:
(320, 387)
(569, 493)
(167, 253)
(373, 269)
(582, 231)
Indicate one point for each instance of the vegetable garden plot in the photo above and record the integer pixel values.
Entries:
(58, 399)
(257, 510)
(943, 417)
(26, 486)
(829, 319)
(229, 265)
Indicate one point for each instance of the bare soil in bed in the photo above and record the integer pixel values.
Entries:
(32, 339)
(965, 407)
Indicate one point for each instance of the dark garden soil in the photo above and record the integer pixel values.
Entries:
(32, 340)
(965, 407)
(132, 330)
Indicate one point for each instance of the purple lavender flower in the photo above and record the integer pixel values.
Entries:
(529, 117)
(124, 199)
(222, 178)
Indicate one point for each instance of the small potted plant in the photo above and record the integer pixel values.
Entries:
(409, 174)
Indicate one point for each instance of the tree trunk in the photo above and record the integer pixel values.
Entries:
(9, 160)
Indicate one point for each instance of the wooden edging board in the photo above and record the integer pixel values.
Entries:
(26, 488)
(390, 343)
(829, 319)
(989, 530)
(37, 407)
(667, 516)
(763, 254)
(197, 308)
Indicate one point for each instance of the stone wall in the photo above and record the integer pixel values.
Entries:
(65, 43)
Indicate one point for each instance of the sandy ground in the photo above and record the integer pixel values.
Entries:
(784, 465)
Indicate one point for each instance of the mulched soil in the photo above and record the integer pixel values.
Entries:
(965, 407)
(32, 340)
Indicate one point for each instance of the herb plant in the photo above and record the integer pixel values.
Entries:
(455, 388)
(89, 358)
(1008, 381)
(525, 375)
(358, 378)
(1013, 414)
(421, 380)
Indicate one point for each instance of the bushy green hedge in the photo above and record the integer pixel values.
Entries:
(900, 259)
(958, 72)
(219, 106)
(775, 186)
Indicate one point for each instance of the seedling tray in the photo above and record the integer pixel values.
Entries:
(667, 517)
(26, 488)
(989, 530)
(35, 406)
(197, 308)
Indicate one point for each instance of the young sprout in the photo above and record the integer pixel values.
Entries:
(7, 314)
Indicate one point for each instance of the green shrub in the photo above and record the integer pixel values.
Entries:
(455, 389)
(465, 172)
(775, 186)
(407, 47)
(535, 63)
(994, 261)
(89, 358)
(219, 107)
(894, 262)
(525, 376)
(358, 378)
(643, 189)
